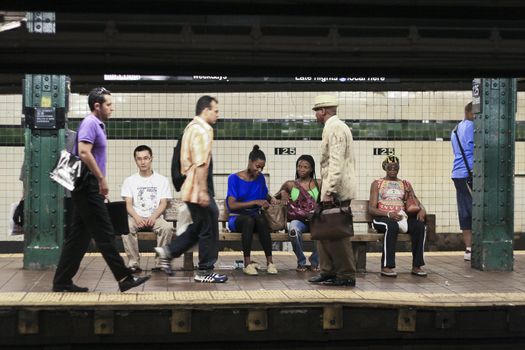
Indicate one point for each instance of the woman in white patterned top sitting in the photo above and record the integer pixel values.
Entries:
(389, 205)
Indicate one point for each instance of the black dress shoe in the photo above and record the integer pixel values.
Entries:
(131, 282)
(338, 282)
(71, 288)
(321, 278)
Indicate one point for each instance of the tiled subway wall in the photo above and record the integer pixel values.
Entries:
(416, 124)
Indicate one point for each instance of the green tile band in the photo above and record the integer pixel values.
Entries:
(264, 129)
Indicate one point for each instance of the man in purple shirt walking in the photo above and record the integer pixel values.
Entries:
(90, 215)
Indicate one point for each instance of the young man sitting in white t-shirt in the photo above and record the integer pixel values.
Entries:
(146, 194)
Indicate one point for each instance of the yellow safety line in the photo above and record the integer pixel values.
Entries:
(268, 297)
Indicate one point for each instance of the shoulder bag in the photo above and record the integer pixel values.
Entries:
(331, 223)
(70, 172)
(411, 204)
(275, 216)
(469, 180)
(303, 207)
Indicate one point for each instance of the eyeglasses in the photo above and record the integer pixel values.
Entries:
(102, 91)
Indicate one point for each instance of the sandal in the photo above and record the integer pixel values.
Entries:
(301, 268)
(315, 269)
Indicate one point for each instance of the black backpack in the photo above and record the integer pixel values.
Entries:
(176, 175)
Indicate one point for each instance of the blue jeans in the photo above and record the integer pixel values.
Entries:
(297, 243)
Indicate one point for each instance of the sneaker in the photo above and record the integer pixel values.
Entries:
(467, 255)
(250, 270)
(210, 278)
(164, 260)
(418, 271)
(131, 282)
(388, 272)
(271, 269)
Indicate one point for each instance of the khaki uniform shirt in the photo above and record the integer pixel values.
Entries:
(338, 161)
(195, 151)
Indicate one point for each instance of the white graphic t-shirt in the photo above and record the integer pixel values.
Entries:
(146, 192)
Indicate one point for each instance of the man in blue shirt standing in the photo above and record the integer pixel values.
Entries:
(462, 138)
(90, 215)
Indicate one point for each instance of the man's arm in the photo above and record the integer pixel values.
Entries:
(84, 152)
(158, 212)
(202, 174)
(139, 221)
(336, 149)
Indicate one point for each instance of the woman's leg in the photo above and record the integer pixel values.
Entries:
(246, 225)
(296, 237)
(390, 228)
(261, 226)
(416, 229)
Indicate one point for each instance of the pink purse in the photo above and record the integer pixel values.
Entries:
(303, 207)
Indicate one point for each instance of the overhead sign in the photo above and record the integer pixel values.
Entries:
(234, 79)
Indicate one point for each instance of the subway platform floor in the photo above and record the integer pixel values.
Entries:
(450, 282)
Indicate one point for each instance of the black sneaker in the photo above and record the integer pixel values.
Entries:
(70, 288)
(131, 282)
(165, 260)
(210, 278)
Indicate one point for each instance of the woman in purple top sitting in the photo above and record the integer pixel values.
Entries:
(247, 196)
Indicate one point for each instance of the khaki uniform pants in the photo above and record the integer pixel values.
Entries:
(163, 230)
(336, 258)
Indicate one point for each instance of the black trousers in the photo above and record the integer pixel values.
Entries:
(90, 220)
(205, 230)
(389, 227)
(247, 225)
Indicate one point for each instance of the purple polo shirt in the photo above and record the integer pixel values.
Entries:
(92, 130)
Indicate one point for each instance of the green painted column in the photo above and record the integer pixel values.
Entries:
(494, 102)
(45, 105)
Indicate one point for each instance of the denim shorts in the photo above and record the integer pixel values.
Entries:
(464, 198)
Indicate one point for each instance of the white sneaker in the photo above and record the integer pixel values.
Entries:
(466, 256)
(250, 270)
(271, 269)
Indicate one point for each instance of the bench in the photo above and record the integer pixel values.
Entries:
(360, 240)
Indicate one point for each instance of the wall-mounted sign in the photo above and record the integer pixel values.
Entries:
(476, 96)
(384, 151)
(285, 151)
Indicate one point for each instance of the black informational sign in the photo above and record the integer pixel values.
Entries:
(285, 151)
(45, 118)
(476, 96)
(384, 151)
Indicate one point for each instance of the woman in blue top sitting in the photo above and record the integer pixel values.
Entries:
(247, 196)
(301, 196)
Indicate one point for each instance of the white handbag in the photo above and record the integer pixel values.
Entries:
(67, 171)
